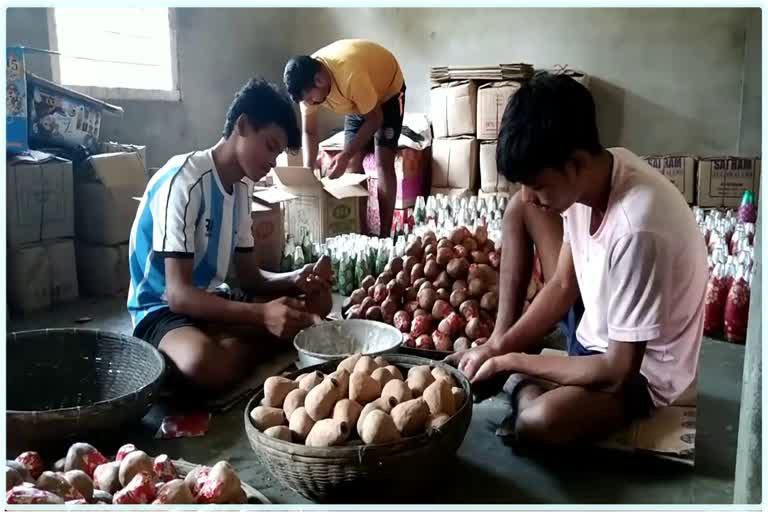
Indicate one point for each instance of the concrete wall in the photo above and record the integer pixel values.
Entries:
(218, 50)
(665, 80)
(752, 108)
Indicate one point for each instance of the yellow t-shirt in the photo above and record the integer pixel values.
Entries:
(363, 74)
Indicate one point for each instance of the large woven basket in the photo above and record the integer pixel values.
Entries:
(360, 473)
(65, 382)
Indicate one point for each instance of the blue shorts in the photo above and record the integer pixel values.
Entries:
(638, 398)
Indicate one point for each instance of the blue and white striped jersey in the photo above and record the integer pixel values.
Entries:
(185, 212)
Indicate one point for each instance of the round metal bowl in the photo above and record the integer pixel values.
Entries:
(333, 341)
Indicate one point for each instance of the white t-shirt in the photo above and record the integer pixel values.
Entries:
(642, 275)
(186, 213)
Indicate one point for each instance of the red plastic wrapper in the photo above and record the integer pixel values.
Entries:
(33, 462)
(714, 301)
(193, 425)
(202, 477)
(441, 341)
(216, 488)
(164, 468)
(210, 491)
(124, 450)
(93, 460)
(27, 495)
(736, 315)
(139, 491)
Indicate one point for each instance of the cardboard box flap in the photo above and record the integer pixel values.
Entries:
(295, 177)
(273, 195)
(499, 85)
(33, 157)
(449, 85)
(118, 169)
(345, 180)
(347, 185)
(258, 206)
(345, 192)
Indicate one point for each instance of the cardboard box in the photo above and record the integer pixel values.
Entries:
(63, 265)
(61, 117)
(458, 192)
(492, 99)
(723, 180)
(454, 163)
(117, 147)
(268, 227)
(103, 270)
(490, 179)
(41, 275)
(29, 279)
(323, 207)
(40, 198)
(286, 159)
(453, 108)
(667, 433)
(679, 169)
(104, 192)
(16, 101)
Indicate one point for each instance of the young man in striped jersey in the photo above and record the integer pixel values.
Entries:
(194, 218)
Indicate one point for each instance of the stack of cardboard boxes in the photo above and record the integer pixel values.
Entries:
(44, 213)
(711, 182)
(465, 120)
(41, 225)
(453, 107)
(492, 99)
(105, 187)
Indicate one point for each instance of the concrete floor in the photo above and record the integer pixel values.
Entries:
(485, 470)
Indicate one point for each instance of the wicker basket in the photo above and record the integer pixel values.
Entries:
(350, 473)
(65, 382)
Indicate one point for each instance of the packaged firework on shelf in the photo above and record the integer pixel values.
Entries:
(729, 235)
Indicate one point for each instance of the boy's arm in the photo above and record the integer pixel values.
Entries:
(252, 278)
(185, 298)
(283, 317)
(366, 99)
(608, 372)
(550, 305)
(261, 282)
(636, 270)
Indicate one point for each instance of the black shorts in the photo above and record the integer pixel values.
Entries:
(160, 322)
(391, 127)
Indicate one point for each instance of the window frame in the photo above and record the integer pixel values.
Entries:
(120, 93)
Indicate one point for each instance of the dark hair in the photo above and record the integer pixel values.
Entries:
(549, 118)
(263, 104)
(299, 75)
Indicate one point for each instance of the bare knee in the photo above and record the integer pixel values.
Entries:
(204, 363)
(537, 423)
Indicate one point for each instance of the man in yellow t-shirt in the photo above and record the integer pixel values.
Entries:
(363, 81)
